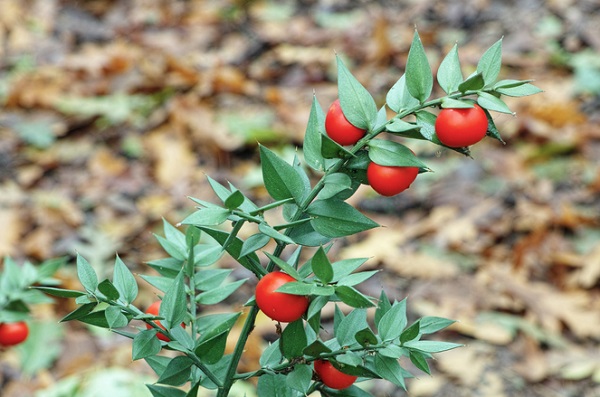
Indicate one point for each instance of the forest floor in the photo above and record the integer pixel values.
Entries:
(114, 112)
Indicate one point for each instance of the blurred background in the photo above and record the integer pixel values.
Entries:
(113, 112)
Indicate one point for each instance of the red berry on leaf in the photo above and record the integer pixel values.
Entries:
(388, 180)
(154, 309)
(339, 129)
(456, 127)
(332, 377)
(279, 306)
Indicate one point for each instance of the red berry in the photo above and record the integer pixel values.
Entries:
(279, 306)
(338, 127)
(389, 181)
(13, 333)
(461, 127)
(332, 377)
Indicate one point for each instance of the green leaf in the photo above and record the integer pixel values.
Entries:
(86, 274)
(145, 344)
(234, 200)
(400, 126)
(124, 281)
(519, 91)
(271, 355)
(158, 363)
(115, 318)
(254, 243)
(221, 191)
(389, 369)
(306, 235)
(335, 218)
(348, 359)
(335, 183)
(280, 178)
(383, 306)
(211, 278)
(393, 154)
(274, 385)
(97, 319)
(316, 348)
(162, 283)
(312, 137)
(345, 267)
(175, 236)
(492, 130)
(490, 63)
(356, 102)
(302, 288)
(456, 104)
(283, 265)
(59, 292)
(449, 74)
(164, 391)
(316, 305)
(349, 326)
(109, 290)
(207, 217)
(491, 102)
(299, 379)
(474, 82)
(392, 323)
(81, 311)
(352, 297)
(393, 351)
(219, 294)
(398, 98)
(293, 340)
(419, 79)
(332, 150)
(171, 248)
(173, 306)
(431, 346)
(321, 266)
(429, 325)
(211, 325)
(357, 278)
(212, 350)
(269, 231)
(249, 261)
(418, 359)
(365, 337)
(411, 332)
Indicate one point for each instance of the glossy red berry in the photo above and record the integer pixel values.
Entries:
(338, 127)
(13, 333)
(332, 377)
(389, 181)
(461, 127)
(279, 306)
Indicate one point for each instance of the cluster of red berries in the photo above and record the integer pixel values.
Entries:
(454, 128)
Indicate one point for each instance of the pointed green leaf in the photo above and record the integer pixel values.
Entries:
(490, 63)
(293, 340)
(254, 243)
(474, 82)
(393, 154)
(234, 200)
(398, 98)
(145, 344)
(283, 265)
(366, 337)
(212, 350)
(59, 292)
(312, 137)
(357, 103)
(164, 391)
(219, 294)
(269, 231)
(431, 346)
(449, 74)
(419, 79)
(108, 289)
(519, 91)
(393, 321)
(346, 329)
(124, 281)
(173, 306)
(383, 305)
(280, 178)
(429, 325)
(334, 184)
(322, 267)
(490, 102)
(86, 274)
(418, 359)
(389, 369)
(115, 318)
(400, 126)
(300, 378)
(207, 217)
(334, 218)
